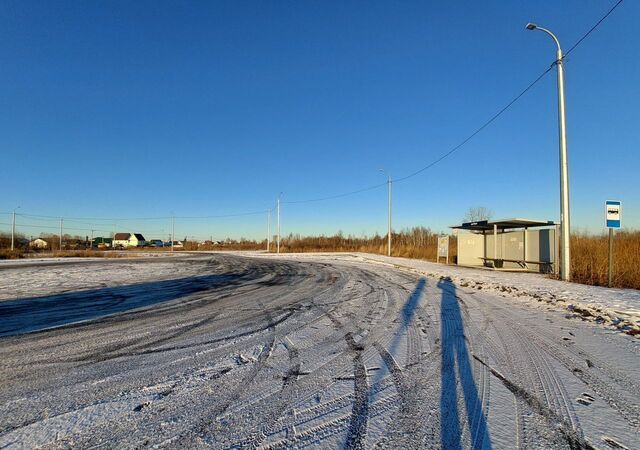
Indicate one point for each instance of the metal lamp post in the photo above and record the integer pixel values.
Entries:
(565, 267)
(389, 182)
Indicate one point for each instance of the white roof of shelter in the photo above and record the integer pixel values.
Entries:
(505, 224)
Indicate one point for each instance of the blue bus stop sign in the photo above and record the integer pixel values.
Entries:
(613, 213)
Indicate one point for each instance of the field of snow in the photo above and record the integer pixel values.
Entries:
(618, 308)
(319, 351)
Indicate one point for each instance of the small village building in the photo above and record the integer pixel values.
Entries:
(128, 240)
(38, 244)
(510, 244)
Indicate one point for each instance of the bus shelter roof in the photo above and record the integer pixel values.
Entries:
(505, 224)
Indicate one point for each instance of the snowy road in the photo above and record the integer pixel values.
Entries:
(234, 352)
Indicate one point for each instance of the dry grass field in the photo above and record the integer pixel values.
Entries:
(589, 259)
(417, 242)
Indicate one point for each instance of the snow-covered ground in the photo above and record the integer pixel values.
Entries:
(28, 278)
(619, 308)
(320, 351)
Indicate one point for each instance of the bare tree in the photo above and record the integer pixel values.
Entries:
(477, 213)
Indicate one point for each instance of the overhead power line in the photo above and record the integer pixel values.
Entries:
(436, 161)
(251, 213)
(122, 219)
(331, 197)
(597, 24)
(477, 130)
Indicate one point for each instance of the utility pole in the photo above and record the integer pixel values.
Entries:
(389, 230)
(61, 220)
(389, 182)
(278, 242)
(173, 230)
(268, 229)
(13, 229)
(565, 267)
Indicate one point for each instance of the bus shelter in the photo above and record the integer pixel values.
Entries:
(510, 244)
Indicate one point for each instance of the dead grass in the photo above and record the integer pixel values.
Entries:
(417, 243)
(7, 253)
(589, 253)
(590, 259)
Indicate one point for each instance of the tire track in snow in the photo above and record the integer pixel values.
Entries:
(519, 353)
(360, 411)
(558, 423)
(332, 369)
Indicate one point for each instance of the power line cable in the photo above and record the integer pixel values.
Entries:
(592, 28)
(251, 213)
(331, 197)
(122, 219)
(481, 127)
(376, 186)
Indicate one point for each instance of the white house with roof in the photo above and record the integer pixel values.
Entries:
(38, 244)
(128, 240)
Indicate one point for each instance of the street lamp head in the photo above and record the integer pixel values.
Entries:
(531, 26)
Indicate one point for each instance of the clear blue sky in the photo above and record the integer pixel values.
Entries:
(148, 108)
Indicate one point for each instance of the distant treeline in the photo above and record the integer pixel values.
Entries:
(416, 242)
(589, 252)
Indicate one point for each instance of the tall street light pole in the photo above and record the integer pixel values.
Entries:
(13, 227)
(565, 266)
(389, 182)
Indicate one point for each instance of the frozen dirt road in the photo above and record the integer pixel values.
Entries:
(235, 352)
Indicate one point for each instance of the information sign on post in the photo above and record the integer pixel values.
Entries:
(613, 213)
(443, 248)
(613, 218)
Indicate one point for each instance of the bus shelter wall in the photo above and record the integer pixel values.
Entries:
(540, 246)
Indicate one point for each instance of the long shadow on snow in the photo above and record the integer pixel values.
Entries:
(408, 311)
(454, 349)
(38, 313)
(389, 354)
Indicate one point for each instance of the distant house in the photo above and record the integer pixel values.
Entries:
(39, 244)
(128, 240)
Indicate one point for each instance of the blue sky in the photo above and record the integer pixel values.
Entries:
(149, 108)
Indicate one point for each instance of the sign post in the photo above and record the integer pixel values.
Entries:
(443, 248)
(613, 218)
